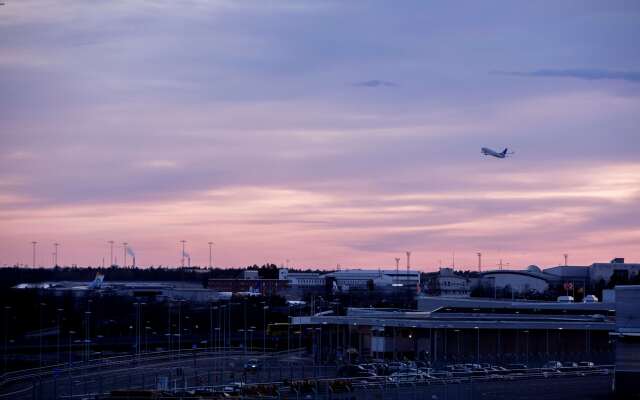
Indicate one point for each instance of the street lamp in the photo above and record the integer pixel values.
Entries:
(527, 346)
(40, 335)
(264, 331)
(71, 333)
(478, 343)
(211, 308)
(60, 310)
(210, 255)
(6, 335)
(251, 330)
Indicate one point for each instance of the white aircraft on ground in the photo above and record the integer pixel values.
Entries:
(489, 152)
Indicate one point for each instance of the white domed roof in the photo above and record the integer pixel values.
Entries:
(533, 268)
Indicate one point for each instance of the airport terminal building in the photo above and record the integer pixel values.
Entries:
(456, 330)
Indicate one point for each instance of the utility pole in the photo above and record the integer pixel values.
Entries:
(111, 253)
(34, 253)
(566, 259)
(210, 255)
(397, 268)
(479, 262)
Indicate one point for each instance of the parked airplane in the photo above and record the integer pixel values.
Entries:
(96, 284)
(489, 152)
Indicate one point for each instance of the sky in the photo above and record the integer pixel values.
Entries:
(320, 132)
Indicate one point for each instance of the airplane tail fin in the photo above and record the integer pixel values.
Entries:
(505, 151)
(97, 282)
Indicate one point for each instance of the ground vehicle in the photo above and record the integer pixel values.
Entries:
(252, 365)
(396, 366)
(587, 364)
(406, 377)
(369, 367)
(565, 299)
(354, 371)
(552, 365)
(517, 366)
(590, 299)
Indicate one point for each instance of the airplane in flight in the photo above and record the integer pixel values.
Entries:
(489, 152)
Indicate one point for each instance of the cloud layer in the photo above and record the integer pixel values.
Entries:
(267, 129)
(588, 74)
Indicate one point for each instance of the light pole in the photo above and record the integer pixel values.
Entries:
(60, 310)
(478, 343)
(288, 329)
(146, 337)
(87, 339)
(264, 330)
(137, 329)
(211, 325)
(222, 338)
(34, 253)
(40, 335)
(179, 327)
(210, 255)
(244, 325)
(169, 326)
(6, 335)
(55, 254)
(527, 347)
(251, 330)
(71, 333)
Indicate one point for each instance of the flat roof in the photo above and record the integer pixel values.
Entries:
(462, 323)
(427, 303)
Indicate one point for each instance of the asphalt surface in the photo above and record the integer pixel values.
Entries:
(147, 371)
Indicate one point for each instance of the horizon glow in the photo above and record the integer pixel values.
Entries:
(323, 133)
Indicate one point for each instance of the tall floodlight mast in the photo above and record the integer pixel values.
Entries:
(210, 254)
(408, 264)
(34, 253)
(55, 254)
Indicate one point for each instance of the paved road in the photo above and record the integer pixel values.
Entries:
(186, 369)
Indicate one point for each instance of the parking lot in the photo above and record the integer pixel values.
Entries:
(234, 373)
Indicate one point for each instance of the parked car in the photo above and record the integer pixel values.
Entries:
(586, 364)
(570, 364)
(369, 367)
(552, 365)
(407, 377)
